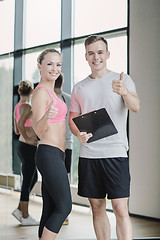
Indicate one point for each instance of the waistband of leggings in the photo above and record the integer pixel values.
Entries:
(26, 144)
(50, 148)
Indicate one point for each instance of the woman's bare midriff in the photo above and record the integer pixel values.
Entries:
(55, 135)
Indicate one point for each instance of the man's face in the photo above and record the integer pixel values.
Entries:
(97, 55)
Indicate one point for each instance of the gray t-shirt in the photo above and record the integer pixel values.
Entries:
(92, 94)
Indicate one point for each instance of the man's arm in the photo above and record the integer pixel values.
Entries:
(82, 136)
(72, 126)
(131, 101)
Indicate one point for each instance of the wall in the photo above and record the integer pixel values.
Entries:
(145, 126)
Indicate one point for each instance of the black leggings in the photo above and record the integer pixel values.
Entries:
(26, 154)
(68, 157)
(56, 194)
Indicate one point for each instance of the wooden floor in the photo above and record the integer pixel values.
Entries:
(79, 228)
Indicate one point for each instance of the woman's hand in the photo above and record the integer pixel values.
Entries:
(52, 111)
(31, 141)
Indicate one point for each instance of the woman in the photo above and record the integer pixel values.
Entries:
(26, 150)
(48, 121)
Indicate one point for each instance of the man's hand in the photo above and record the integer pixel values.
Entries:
(118, 86)
(83, 136)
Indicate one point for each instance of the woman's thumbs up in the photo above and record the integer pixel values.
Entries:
(52, 111)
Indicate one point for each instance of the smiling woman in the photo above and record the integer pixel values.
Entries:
(48, 121)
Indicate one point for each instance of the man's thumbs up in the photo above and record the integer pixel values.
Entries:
(121, 76)
(118, 86)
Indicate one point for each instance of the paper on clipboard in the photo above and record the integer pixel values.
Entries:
(97, 122)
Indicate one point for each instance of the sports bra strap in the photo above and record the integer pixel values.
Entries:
(49, 92)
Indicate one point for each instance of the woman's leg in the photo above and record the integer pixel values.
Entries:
(56, 190)
(26, 153)
(34, 180)
(47, 209)
(48, 235)
(27, 156)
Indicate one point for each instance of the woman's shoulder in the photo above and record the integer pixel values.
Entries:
(40, 97)
(25, 107)
(39, 92)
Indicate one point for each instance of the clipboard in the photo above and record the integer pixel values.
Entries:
(97, 122)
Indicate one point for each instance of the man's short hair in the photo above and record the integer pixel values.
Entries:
(95, 38)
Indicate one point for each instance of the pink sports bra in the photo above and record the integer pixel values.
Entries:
(59, 104)
(17, 107)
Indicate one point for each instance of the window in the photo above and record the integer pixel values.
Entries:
(7, 26)
(6, 90)
(42, 22)
(118, 53)
(93, 16)
(31, 72)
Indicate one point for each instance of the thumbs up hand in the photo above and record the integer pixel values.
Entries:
(118, 86)
(52, 111)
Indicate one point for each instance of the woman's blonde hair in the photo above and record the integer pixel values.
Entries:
(45, 52)
(25, 87)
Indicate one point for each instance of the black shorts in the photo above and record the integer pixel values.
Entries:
(101, 177)
(68, 157)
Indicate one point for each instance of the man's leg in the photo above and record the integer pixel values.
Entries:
(100, 219)
(123, 223)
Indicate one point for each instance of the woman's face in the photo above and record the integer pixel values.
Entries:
(50, 68)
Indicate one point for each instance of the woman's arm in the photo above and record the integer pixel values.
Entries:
(24, 112)
(16, 130)
(39, 119)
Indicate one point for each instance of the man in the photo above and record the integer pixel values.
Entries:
(69, 137)
(103, 164)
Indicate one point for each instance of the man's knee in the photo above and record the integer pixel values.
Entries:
(120, 207)
(98, 205)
